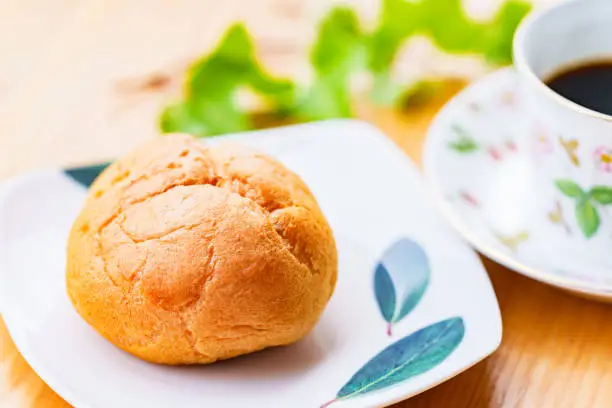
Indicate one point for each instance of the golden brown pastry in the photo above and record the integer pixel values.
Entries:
(186, 254)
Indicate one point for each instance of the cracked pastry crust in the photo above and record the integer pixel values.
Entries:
(187, 254)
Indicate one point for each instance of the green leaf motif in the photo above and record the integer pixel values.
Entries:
(569, 188)
(601, 194)
(400, 280)
(86, 175)
(413, 355)
(385, 292)
(587, 217)
(464, 143)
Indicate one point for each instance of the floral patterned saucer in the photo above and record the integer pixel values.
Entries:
(478, 163)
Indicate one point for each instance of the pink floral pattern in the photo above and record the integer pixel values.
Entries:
(469, 198)
(569, 171)
(474, 107)
(586, 203)
(494, 153)
(511, 146)
(542, 142)
(603, 159)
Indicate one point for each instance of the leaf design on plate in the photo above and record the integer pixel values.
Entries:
(587, 217)
(413, 355)
(385, 293)
(464, 142)
(86, 175)
(400, 280)
(569, 188)
(601, 194)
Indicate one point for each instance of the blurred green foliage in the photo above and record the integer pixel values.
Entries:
(341, 50)
(212, 82)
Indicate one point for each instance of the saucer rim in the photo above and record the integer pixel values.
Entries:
(433, 187)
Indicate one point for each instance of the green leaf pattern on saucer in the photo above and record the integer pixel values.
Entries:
(587, 214)
(464, 142)
(587, 203)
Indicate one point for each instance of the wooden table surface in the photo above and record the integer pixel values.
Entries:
(74, 87)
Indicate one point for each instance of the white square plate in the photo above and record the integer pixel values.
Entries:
(402, 271)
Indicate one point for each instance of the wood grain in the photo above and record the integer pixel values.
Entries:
(83, 81)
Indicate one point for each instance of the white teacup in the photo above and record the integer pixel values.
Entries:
(571, 148)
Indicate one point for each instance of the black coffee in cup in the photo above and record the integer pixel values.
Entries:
(589, 85)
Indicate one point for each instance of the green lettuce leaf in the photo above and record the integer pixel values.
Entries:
(500, 32)
(449, 27)
(342, 49)
(210, 106)
(338, 53)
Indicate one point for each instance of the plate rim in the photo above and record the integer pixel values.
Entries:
(433, 186)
